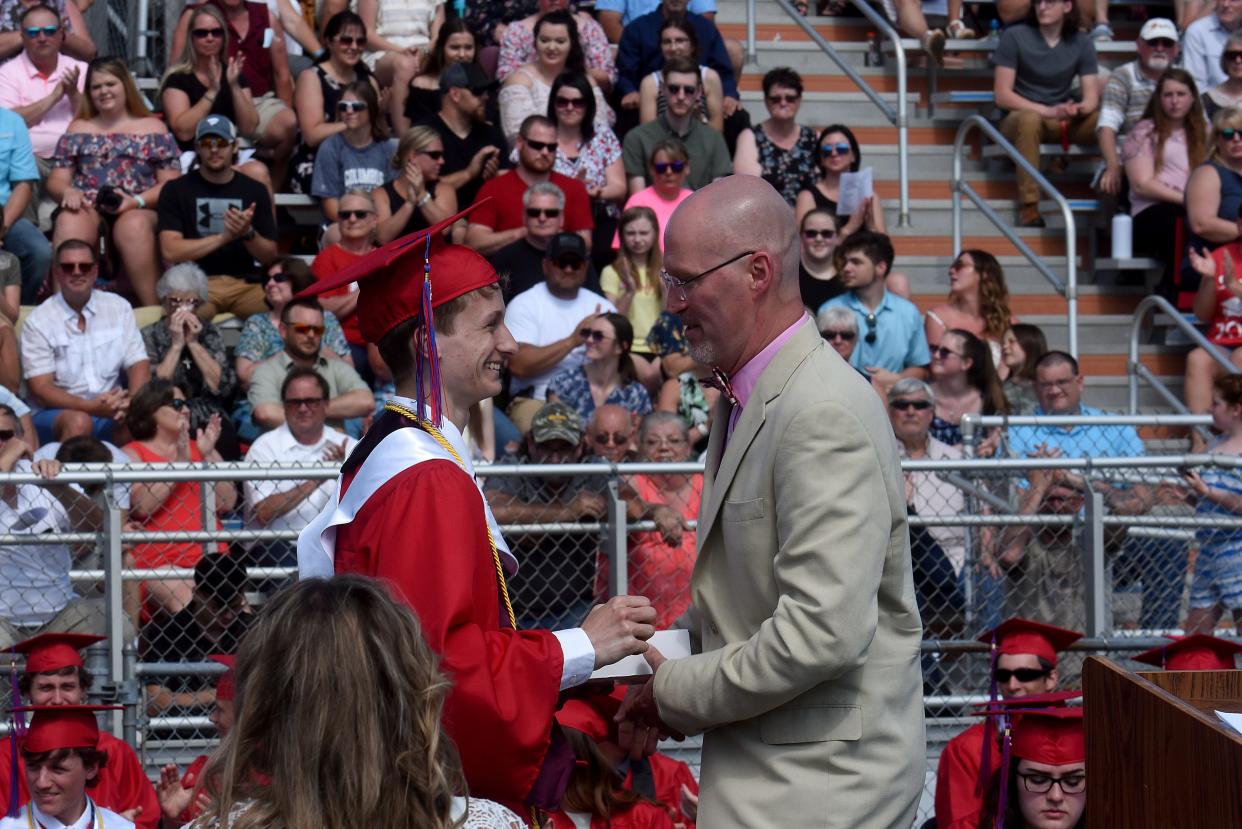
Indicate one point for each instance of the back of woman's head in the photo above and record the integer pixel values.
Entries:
(338, 705)
(982, 374)
(1034, 346)
(595, 787)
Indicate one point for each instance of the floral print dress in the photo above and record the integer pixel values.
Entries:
(788, 170)
(126, 162)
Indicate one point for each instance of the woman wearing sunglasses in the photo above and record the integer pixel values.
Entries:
(817, 268)
(978, 301)
(678, 39)
(358, 156)
(669, 166)
(780, 149)
(358, 225)
(416, 198)
(607, 376)
(1228, 93)
(190, 352)
(320, 88)
(159, 422)
(964, 380)
(1213, 201)
(839, 153)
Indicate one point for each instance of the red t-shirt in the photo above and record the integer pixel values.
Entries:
(1226, 327)
(331, 261)
(505, 211)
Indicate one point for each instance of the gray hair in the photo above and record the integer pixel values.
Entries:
(544, 188)
(911, 385)
(653, 419)
(185, 276)
(837, 317)
(358, 192)
(17, 421)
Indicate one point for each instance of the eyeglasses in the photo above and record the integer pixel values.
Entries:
(1037, 783)
(570, 103)
(613, 438)
(1003, 675)
(682, 286)
(307, 328)
(1169, 43)
(280, 277)
(1229, 134)
(213, 142)
(7, 434)
(907, 405)
(347, 215)
(542, 212)
(789, 98)
(592, 335)
(840, 148)
(662, 167)
(308, 402)
(344, 40)
(687, 89)
(871, 323)
(653, 441)
(182, 302)
(944, 353)
(1231, 56)
(203, 34)
(819, 234)
(570, 263)
(540, 146)
(847, 336)
(75, 267)
(47, 31)
(177, 404)
(434, 155)
(350, 106)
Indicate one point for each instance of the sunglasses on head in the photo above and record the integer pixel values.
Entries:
(203, 34)
(907, 405)
(347, 215)
(1003, 675)
(570, 103)
(687, 89)
(847, 336)
(213, 142)
(542, 212)
(592, 335)
(307, 328)
(840, 148)
(350, 106)
(819, 234)
(46, 31)
(434, 155)
(76, 267)
(345, 40)
(606, 438)
(540, 146)
(788, 98)
(663, 167)
(177, 404)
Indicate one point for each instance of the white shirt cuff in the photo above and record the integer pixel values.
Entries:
(579, 656)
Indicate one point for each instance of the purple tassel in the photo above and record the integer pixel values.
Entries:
(985, 764)
(1002, 802)
(18, 721)
(431, 395)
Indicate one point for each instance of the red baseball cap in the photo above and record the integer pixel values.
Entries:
(54, 727)
(1198, 652)
(1017, 636)
(50, 652)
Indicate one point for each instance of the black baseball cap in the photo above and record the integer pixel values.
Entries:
(563, 244)
(465, 76)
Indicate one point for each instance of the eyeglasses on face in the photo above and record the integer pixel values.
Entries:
(570, 103)
(655, 441)
(686, 89)
(346, 40)
(305, 328)
(177, 404)
(434, 155)
(1169, 43)
(683, 286)
(1039, 783)
(348, 215)
(189, 303)
(213, 142)
(944, 353)
(903, 405)
(1003, 675)
(350, 106)
(811, 233)
(787, 98)
(613, 438)
(570, 263)
(278, 277)
(33, 32)
(540, 146)
(203, 34)
(308, 402)
(593, 335)
(7, 435)
(542, 212)
(662, 167)
(840, 148)
(846, 336)
(75, 267)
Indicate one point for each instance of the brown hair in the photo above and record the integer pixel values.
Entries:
(88, 756)
(397, 346)
(1229, 387)
(1034, 346)
(1193, 126)
(982, 372)
(25, 681)
(654, 257)
(594, 785)
(993, 293)
(141, 415)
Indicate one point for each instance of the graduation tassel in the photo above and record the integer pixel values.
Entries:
(18, 721)
(428, 357)
(985, 764)
(1006, 743)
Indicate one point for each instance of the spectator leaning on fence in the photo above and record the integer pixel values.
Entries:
(1126, 93)
(74, 347)
(304, 437)
(1036, 65)
(610, 434)
(1204, 42)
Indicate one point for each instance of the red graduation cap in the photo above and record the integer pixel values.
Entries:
(1198, 652)
(54, 727)
(50, 652)
(1017, 635)
(592, 716)
(1015, 705)
(1053, 736)
(226, 685)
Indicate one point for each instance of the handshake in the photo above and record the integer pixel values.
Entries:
(621, 628)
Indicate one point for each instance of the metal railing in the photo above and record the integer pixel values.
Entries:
(898, 116)
(1137, 371)
(1067, 287)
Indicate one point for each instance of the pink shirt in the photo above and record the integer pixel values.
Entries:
(1174, 169)
(22, 84)
(647, 197)
(747, 377)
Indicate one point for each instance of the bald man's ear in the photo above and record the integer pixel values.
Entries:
(763, 271)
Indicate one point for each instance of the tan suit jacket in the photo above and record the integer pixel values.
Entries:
(809, 689)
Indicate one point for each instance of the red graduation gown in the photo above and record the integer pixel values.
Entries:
(122, 782)
(642, 815)
(957, 777)
(424, 532)
(669, 775)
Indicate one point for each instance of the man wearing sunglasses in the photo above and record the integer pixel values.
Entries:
(222, 220)
(705, 146)
(1204, 43)
(1026, 664)
(301, 327)
(1129, 88)
(501, 220)
(544, 219)
(474, 148)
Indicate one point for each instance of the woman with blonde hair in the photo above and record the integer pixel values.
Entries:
(632, 283)
(416, 198)
(110, 166)
(358, 231)
(1213, 200)
(313, 745)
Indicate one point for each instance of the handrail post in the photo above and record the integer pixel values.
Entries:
(752, 55)
(955, 186)
(1095, 584)
(1132, 356)
(114, 601)
(615, 540)
(903, 137)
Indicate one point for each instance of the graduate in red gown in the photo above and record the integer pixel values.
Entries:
(409, 510)
(176, 791)
(55, 675)
(1025, 657)
(1198, 652)
(1045, 781)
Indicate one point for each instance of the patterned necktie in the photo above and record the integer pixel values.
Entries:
(720, 381)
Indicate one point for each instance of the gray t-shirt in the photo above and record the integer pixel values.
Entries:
(340, 166)
(1045, 74)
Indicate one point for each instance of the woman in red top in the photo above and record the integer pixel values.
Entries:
(159, 421)
(358, 223)
(1219, 302)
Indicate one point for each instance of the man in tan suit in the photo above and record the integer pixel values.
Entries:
(808, 690)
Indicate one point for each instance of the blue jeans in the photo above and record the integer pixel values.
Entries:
(44, 419)
(34, 251)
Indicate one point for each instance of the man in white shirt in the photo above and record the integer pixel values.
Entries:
(1204, 42)
(546, 321)
(304, 437)
(74, 346)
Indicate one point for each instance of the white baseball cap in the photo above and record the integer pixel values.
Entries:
(1158, 27)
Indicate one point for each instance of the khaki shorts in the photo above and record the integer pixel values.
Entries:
(230, 295)
(269, 106)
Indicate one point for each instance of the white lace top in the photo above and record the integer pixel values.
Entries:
(480, 814)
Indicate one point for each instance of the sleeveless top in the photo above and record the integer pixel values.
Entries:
(395, 199)
(258, 67)
(1230, 201)
(195, 89)
(822, 201)
(815, 292)
(788, 170)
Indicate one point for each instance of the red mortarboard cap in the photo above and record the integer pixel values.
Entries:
(1014, 636)
(54, 727)
(390, 279)
(1053, 736)
(1198, 652)
(226, 685)
(592, 716)
(49, 652)
(1032, 701)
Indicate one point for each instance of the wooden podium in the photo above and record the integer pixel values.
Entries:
(1157, 754)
